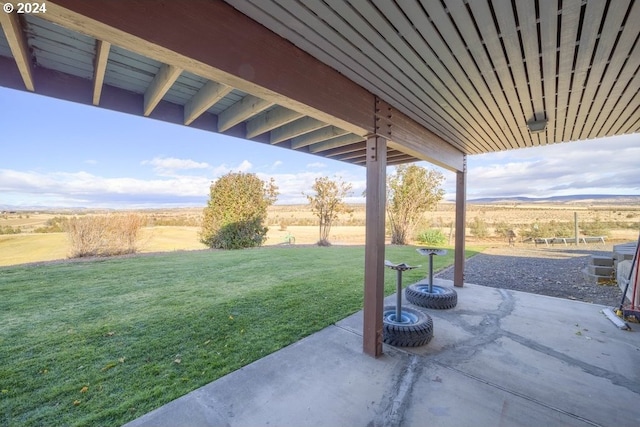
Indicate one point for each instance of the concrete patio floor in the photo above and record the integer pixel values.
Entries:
(500, 358)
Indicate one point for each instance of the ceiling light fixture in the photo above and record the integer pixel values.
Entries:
(537, 126)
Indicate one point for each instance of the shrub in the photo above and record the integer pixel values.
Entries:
(104, 235)
(432, 236)
(56, 224)
(239, 235)
(236, 212)
(594, 228)
(478, 228)
(7, 229)
(560, 229)
(503, 229)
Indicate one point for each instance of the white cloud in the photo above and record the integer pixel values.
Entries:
(36, 188)
(223, 169)
(316, 165)
(81, 188)
(170, 165)
(294, 186)
(245, 166)
(605, 166)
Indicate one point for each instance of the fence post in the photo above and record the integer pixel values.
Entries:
(575, 226)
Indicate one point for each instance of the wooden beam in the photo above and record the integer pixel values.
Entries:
(80, 90)
(206, 97)
(160, 85)
(247, 107)
(272, 119)
(406, 135)
(100, 68)
(322, 134)
(19, 47)
(374, 246)
(461, 192)
(214, 40)
(297, 128)
(335, 143)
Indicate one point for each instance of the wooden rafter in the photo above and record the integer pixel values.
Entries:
(242, 47)
(100, 68)
(316, 136)
(297, 128)
(358, 146)
(161, 83)
(19, 47)
(247, 107)
(340, 141)
(211, 93)
(270, 120)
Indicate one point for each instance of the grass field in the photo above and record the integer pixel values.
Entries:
(102, 342)
(177, 229)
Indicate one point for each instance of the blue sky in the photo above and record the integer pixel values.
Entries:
(60, 154)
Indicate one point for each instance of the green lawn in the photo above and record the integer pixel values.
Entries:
(103, 342)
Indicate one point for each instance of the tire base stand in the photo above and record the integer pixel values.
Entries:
(406, 327)
(431, 296)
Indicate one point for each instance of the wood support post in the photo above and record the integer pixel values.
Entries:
(461, 191)
(374, 246)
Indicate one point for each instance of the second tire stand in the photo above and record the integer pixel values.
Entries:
(430, 295)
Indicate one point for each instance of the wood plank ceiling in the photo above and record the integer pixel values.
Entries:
(476, 73)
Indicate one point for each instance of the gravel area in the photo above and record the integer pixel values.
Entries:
(555, 272)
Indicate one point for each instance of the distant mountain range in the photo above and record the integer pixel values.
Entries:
(596, 199)
(588, 199)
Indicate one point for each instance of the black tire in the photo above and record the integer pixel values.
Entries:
(441, 298)
(415, 329)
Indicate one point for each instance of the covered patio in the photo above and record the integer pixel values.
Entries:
(377, 83)
(374, 83)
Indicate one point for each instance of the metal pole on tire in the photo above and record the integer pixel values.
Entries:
(431, 272)
(399, 268)
(398, 294)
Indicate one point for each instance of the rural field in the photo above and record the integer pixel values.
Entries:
(32, 236)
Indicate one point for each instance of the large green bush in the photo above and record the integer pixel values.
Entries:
(237, 210)
(432, 236)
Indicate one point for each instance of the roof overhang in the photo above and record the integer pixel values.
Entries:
(439, 80)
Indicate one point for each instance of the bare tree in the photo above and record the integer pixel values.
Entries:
(411, 191)
(327, 203)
